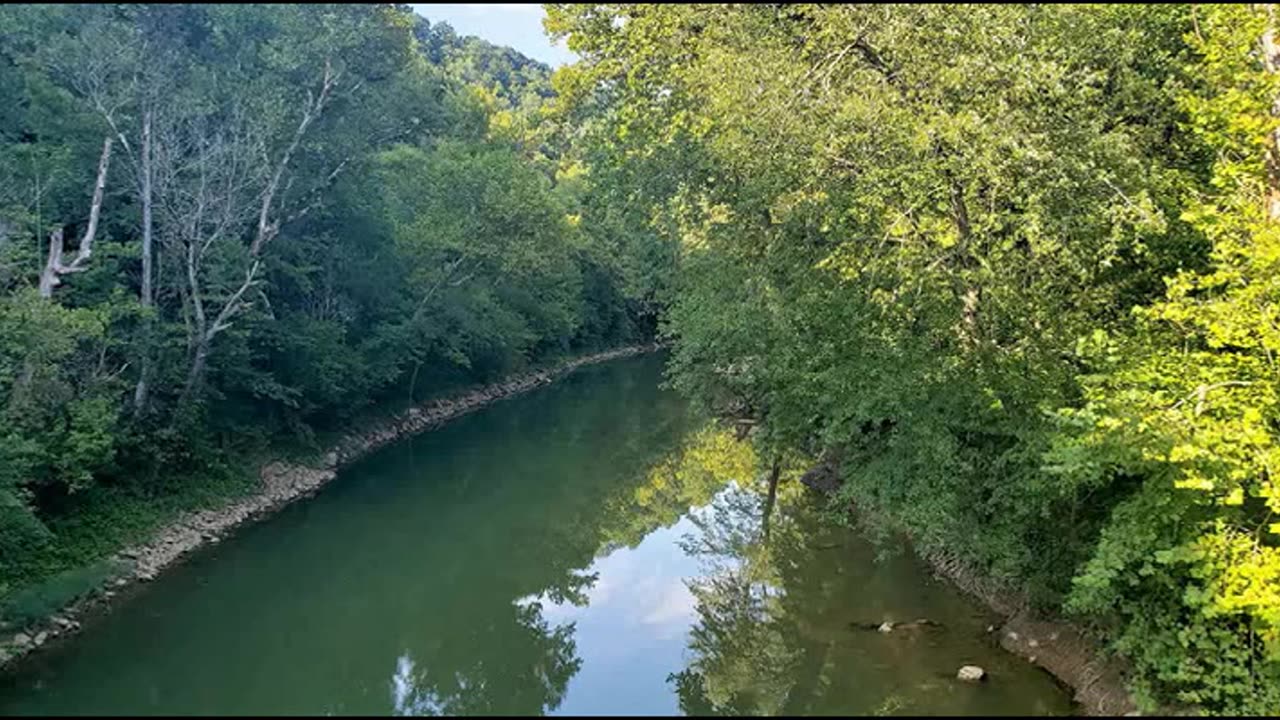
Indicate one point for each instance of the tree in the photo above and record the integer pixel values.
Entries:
(897, 231)
(276, 217)
(1187, 404)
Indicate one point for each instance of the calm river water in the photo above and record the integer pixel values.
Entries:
(588, 548)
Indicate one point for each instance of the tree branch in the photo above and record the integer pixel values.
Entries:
(53, 266)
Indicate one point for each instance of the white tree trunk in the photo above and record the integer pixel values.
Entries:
(54, 268)
(195, 374)
(49, 276)
(147, 294)
(268, 222)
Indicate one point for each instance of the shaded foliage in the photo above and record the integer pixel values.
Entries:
(339, 217)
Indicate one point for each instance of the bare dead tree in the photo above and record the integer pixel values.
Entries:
(147, 291)
(112, 68)
(119, 78)
(54, 267)
(211, 185)
(206, 187)
(101, 66)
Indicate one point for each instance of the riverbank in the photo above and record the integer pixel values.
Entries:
(1059, 647)
(280, 484)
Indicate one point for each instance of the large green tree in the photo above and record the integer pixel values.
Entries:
(931, 244)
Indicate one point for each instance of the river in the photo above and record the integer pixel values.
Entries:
(589, 547)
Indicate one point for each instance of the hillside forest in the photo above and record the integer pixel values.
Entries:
(1009, 272)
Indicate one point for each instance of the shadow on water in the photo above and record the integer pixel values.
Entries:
(539, 556)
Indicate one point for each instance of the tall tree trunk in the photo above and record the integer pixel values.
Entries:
(147, 296)
(413, 382)
(55, 269)
(268, 227)
(52, 265)
(196, 373)
(199, 339)
(970, 291)
(971, 301)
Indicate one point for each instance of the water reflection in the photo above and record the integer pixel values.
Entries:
(526, 676)
(752, 616)
(406, 697)
(577, 551)
(777, 590)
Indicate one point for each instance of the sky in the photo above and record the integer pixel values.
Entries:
(633, 631)
(512, 24)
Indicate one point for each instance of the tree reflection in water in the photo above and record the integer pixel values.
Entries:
(775, 590)
(528, 676)
(780, 585)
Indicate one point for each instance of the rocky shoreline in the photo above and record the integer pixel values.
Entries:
(1059, 647)
(282, 483)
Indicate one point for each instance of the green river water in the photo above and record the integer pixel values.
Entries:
(588, 548)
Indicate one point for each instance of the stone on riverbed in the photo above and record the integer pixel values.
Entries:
(971, 673)
(889, 626)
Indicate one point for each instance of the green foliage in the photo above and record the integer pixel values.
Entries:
(349, 208)
(59, 418)
(1189, 404)
(1011, 265)
(513, 288)
(513, 78)
(37, 603)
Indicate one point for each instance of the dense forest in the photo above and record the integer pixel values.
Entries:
(225, 228)
(1010, 271)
